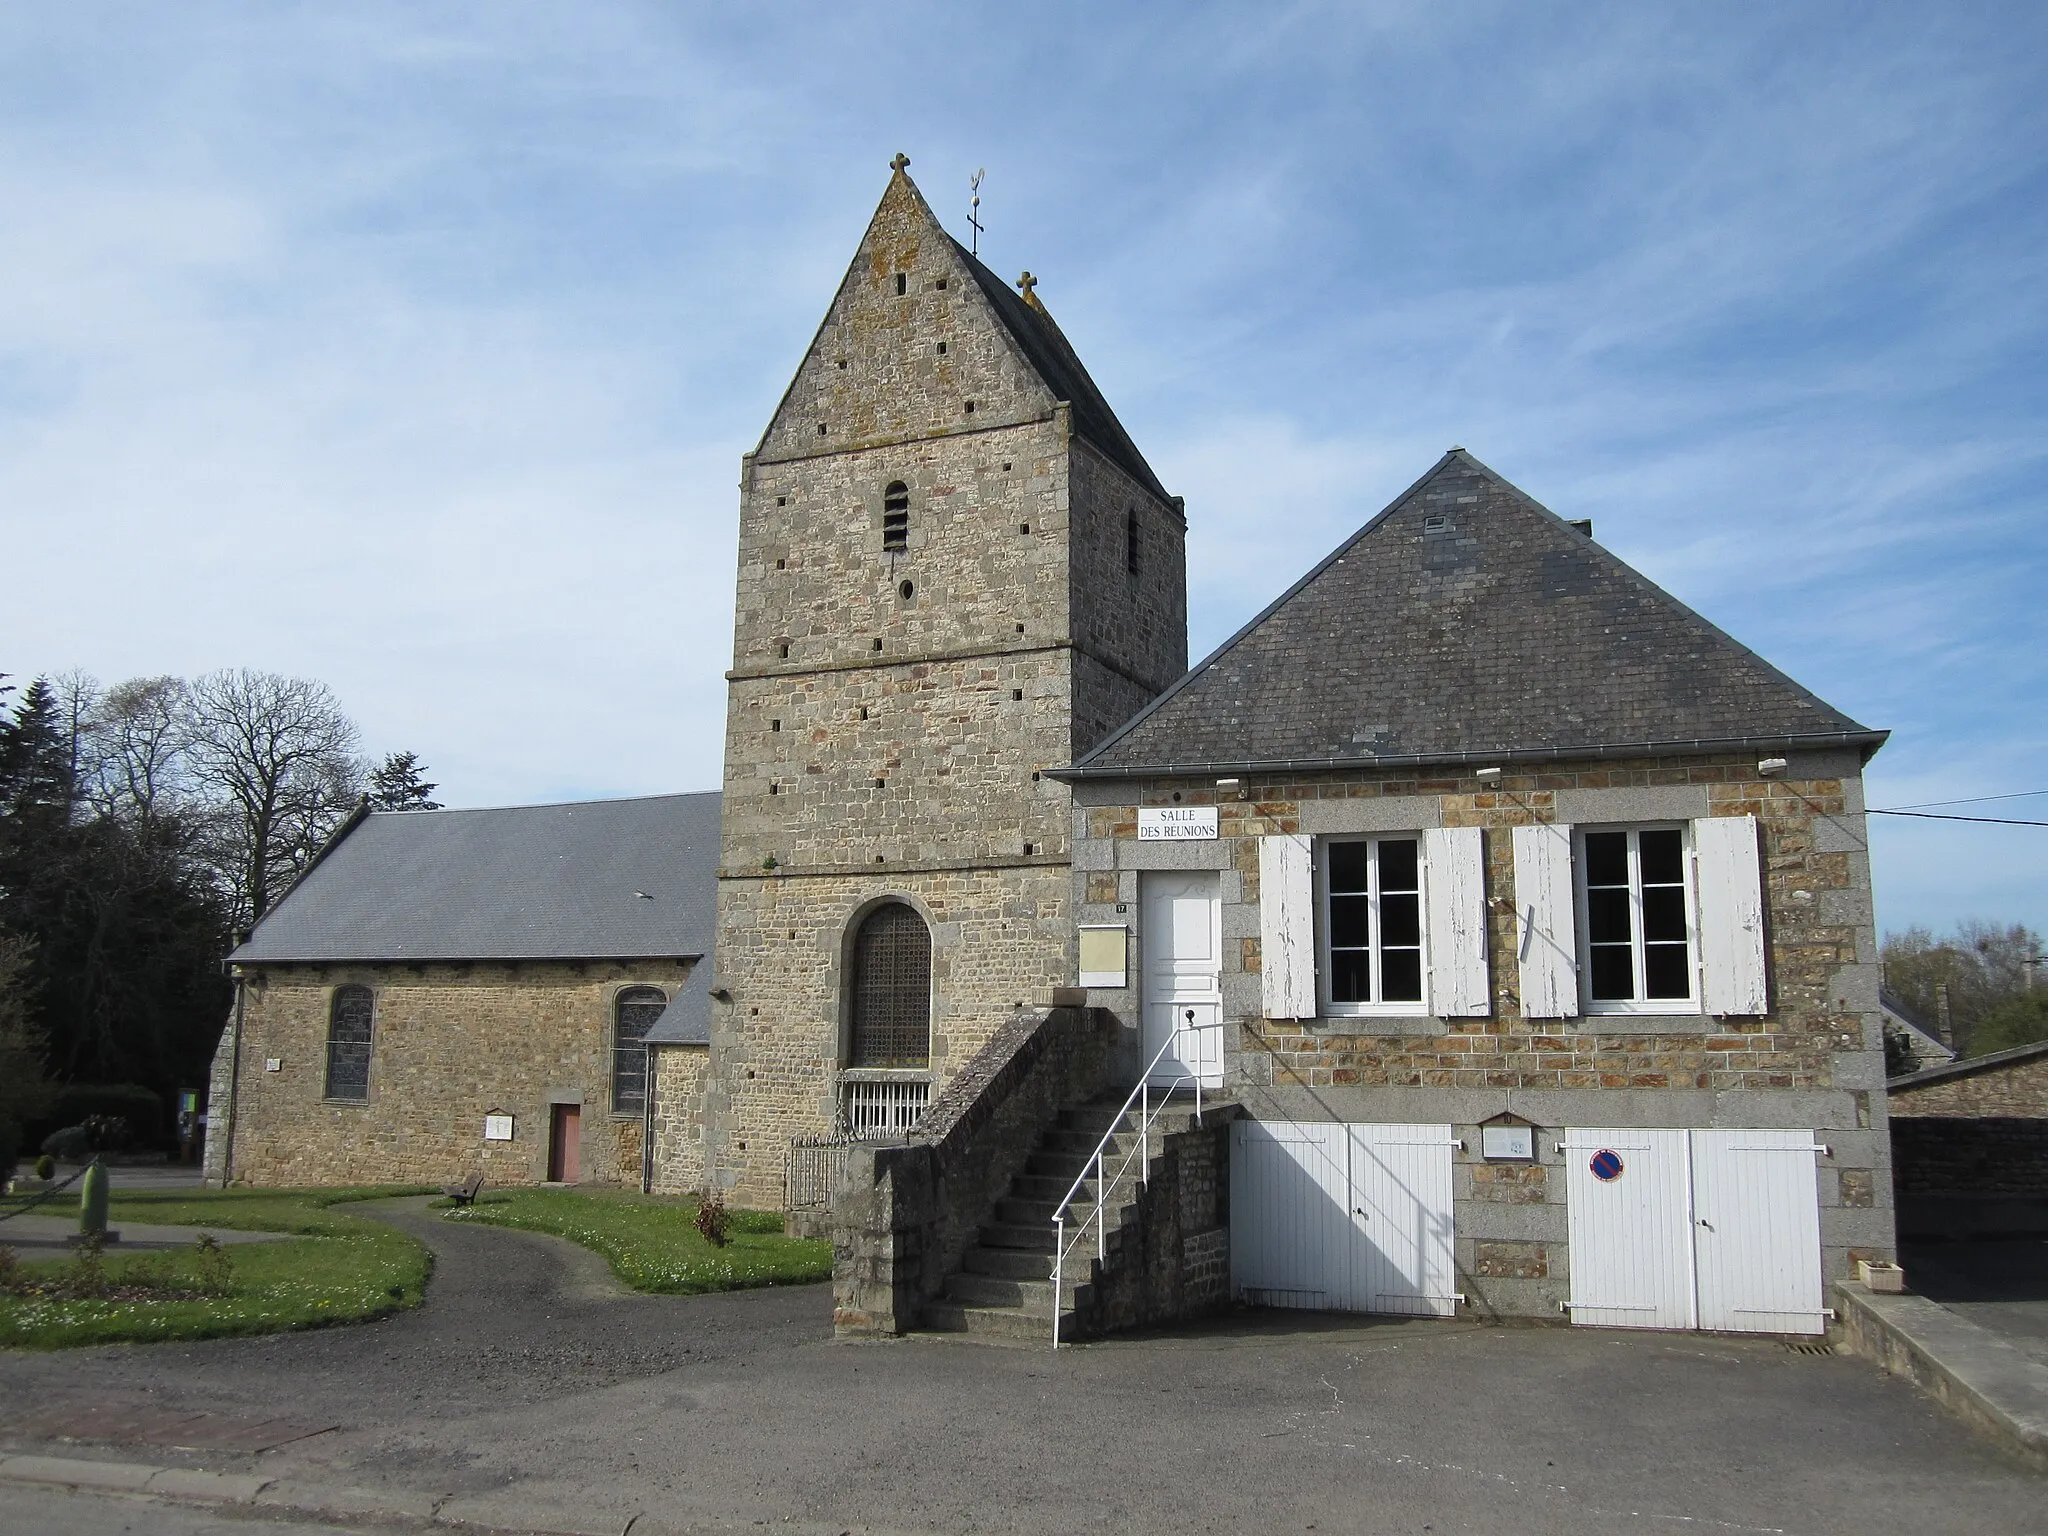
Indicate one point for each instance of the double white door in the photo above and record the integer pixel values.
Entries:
(1334, 1217)
(1695, 1229)
(1181, 936)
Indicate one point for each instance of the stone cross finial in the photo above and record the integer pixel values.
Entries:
(900, 162)
(1026, 283)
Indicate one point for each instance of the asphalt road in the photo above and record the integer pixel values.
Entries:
(530, 1381)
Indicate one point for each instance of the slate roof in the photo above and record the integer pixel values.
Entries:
(1467, 622)
(687, 1018)
(1053, 358)
(586, 880)
(1969, 1066)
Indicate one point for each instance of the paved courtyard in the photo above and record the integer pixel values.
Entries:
(531, 1382)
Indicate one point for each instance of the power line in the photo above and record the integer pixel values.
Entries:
(1994, 821)
(1927, 805)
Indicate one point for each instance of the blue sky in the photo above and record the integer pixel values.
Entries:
(414, 346)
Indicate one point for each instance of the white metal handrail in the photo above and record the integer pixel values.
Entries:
(1142, 1152)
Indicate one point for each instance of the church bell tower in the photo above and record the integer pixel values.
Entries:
(955, 572)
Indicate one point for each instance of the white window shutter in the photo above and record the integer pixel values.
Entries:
(1287, 926)
(1731, 916)
(1455, 861)
(1546, 926)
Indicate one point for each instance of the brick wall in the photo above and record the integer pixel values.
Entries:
(450, 1044)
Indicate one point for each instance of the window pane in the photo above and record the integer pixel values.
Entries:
(1607, 858)
(1613, 973)
(1348, 866)
(1607, 916)
(1397, 867)
(348, 1043)
(1401, 975)
(1663, 855)
(1350, 922)
(1664, 914)
(1350, 977)
(1401, 920)
(1666, 972)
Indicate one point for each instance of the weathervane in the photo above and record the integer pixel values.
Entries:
(974, 212)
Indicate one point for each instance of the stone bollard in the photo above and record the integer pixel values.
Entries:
(92, 1205)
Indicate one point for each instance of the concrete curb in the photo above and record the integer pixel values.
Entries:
(504, 1511)
(1971, 1371)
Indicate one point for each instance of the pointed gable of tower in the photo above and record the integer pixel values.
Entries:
(922, 340)
(1468, 622)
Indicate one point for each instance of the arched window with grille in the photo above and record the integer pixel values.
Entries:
(350, 1016)
(891, 995)
(634, 1011)
(896, 518)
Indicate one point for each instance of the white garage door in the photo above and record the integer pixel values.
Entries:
(1695, 1229)
(1344, 1217)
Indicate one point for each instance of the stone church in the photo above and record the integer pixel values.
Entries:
(1511, 921)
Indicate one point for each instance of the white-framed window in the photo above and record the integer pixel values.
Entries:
(1369, 928)
(1655, 918)
(1638, 928)
(1391, 924)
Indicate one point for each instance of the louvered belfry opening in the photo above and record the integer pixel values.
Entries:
(892, 990)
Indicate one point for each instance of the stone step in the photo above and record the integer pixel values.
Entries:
(1045, 1186)
(990, 1322)
(1033, 1238)
(1009, 1263)
(1033, 1296)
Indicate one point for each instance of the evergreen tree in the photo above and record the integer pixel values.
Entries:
(398, 784)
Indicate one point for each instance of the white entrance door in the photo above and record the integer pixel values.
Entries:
(1401, 1205)
(1630, 1215)
(1756, 1231)
(1182, 941)
(1695, 1229)
(1342, 1217)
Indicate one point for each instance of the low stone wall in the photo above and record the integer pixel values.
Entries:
(1173, 1260)
(907, 1213)
(1953, 1155)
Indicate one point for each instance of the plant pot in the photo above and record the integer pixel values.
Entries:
(1880, 1276)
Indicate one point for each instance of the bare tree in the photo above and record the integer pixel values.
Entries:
(278, 758)
(1960, 979)
(133, 755)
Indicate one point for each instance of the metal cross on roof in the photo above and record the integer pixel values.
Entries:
(902, 160)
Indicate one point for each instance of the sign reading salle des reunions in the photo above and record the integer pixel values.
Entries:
(1177, 823)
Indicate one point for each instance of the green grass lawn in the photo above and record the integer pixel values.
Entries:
(653, 1243)
(338, 1268)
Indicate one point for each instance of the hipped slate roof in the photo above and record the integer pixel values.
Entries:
(589, 880)
(1467, 623)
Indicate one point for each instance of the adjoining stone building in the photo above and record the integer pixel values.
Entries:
(1970, 1146)
(955, 573)
(446, 992)
(1503, 890)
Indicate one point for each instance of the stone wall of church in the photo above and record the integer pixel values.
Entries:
(678, 1119)
(1815, 1061)
(1001, 938)
(450, 1044)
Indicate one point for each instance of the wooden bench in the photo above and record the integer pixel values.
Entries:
(465, 1192)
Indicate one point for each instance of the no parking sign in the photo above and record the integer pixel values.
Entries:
(1606, 1165)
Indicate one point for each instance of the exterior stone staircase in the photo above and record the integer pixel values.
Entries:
(1003, 1287)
